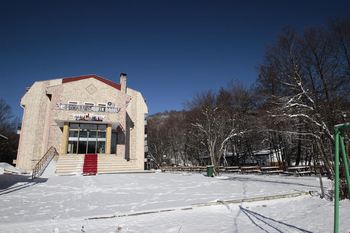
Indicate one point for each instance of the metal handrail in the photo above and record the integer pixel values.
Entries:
(44, 162)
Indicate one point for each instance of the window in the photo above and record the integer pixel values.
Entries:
(72, 105)
(86, 138)
(114, 142)
(49, 96)
(89, 104)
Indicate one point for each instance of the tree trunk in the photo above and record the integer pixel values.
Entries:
(326, 161)
(297, 160)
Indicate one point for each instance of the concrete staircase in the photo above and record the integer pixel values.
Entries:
(70, 164)
(106, 163)
(112, 163)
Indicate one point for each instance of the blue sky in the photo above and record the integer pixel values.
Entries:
(169, 49)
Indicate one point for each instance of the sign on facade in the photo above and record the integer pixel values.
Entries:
(87, 108)
(88, 117)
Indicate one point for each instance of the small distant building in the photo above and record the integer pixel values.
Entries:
(83, 115)
(267, 157)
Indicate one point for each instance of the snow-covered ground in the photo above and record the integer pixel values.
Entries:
(72, 203)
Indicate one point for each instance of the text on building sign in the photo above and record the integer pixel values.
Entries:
(76, 107)
(88, 117)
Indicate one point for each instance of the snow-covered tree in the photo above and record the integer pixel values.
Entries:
(306, 90)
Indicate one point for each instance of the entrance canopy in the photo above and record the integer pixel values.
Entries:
(60, 123)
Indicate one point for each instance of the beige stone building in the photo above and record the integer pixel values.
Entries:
(83, 115)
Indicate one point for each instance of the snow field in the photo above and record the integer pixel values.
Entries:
(65, 204)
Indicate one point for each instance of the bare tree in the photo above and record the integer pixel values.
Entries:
(215, 121)
(8, 128)
(169, 134)
(306, 90)
(158, 143)
(340, 31)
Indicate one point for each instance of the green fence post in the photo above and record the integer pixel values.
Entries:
(336, 180)
(345, 161)
(338, 129)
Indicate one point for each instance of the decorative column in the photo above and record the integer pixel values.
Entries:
(64, 147)
(108, 139)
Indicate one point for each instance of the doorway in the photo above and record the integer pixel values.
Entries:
(87, 139)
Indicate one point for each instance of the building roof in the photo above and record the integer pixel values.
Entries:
(262, 152)
(106, 81)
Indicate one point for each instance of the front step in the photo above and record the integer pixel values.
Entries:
(90, 164)
(112, 163)
(70, 164)
(105, 164)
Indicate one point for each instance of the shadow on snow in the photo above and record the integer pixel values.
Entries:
(12, 183)
(264, 223)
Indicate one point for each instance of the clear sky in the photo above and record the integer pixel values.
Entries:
(169, 49)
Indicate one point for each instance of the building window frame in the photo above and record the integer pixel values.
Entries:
(76, 138)
(89, 103)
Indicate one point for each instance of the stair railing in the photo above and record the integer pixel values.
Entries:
(44, 162)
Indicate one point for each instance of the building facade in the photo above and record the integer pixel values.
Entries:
(82, 115)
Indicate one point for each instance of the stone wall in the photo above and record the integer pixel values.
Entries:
(137, 110)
